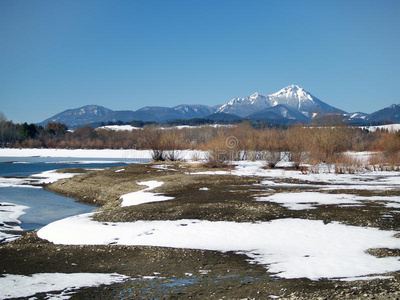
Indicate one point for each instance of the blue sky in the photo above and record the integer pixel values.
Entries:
(57, 55)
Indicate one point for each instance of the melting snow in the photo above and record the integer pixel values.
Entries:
(144, 196)
(308, 200)
(57, 285)
(9, 214)
(290, 248)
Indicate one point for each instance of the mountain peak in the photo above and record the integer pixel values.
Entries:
(293, 87)
(292, 96)
(294, 92)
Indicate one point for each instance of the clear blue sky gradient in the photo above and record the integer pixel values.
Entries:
(56, 55)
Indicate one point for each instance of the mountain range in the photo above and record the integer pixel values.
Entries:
(290, 105)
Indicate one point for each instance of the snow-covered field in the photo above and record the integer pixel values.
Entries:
(78, 153)
(131, 128)
(290, 248)
(125, 155)
(390, 127)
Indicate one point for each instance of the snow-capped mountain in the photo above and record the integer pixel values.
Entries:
(95, 114)
(79, 116)
(194, 110)
(289, 105)
(180, 112)
(292, 96)
(244, 107)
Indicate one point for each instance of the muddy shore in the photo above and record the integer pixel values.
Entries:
(185, 273)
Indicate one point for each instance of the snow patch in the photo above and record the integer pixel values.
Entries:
(9, 214)
(53, 284)
(144, 196)
(309, 200)
(290, 248)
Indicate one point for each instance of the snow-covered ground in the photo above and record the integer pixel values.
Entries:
(120, 127)
(131, 128)
(55, 285)
(290, 248)
(144, 196)
(390, 127)
(79, 153)
(124, 155)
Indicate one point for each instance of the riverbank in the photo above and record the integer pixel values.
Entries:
(240, 197)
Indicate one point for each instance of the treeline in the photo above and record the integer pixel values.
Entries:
(306, 144)
(30, 135)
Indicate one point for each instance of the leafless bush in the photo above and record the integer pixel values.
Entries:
(221, 150)
(329, 143)
(274, 145)
(298, 140)
(153, 141)
(349, 165)
(383, 162)
(216, 159)
(173, 144)
(390, 145)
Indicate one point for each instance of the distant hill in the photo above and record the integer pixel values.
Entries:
(79, 116)
(278, 112)
(95, 114)
(387, 115)
(222, 117)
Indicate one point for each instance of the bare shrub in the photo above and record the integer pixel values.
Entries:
(390, 145)
(215, 159)
(173, 144)
(221, 150)
(196, 156)
(274, 145)
(153, 141)
(329, 142)
(272, 158)
(298, 140)
(347, 164)
(377, 161)
(385, 162)
(249, 141)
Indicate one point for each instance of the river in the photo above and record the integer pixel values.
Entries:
(25, 205)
